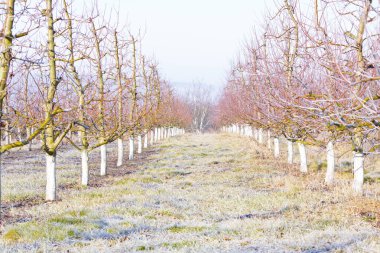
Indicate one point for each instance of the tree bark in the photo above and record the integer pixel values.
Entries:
(151, 137)
(85, 171)
(103, 160)
(155, 134)
(139, 144)
(276, 147)
(290, 152)
(303, 157)
(329, 179)
(28, 133)
(146, 140)
(261, 136)
(120, 152)
(358, 173)
(51, 177)
(131, 148)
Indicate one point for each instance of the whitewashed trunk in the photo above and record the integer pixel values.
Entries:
(103, 160)
(32, 131)
(358, 173)
(146, 140)
(261, 136)
(19, 134)
(120, 152)
(131, 148)
(329, 179)
(276, 143)
(139, 144)
(155, 134)
(28, 134)
(151, 137)
(159, 133)
(51, 182)
(85, 172)
(303, 158)
(290, 152)
(269, 141)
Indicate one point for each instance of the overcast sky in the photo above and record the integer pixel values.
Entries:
(193, 40)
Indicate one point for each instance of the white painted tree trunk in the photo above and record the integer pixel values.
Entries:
(329, 179)
(31, 131)
(151, 137)
(261, 136)
(303, 158)
(51, 186)
(120, 152)
(19, 134)
(269, 141)
(139, 144)
(155, 134)
(146, 140)
(103, 160)
(358, 173)
(290, 152)
(131, 148)
(28, 133)
(276, 143)
(85, 171)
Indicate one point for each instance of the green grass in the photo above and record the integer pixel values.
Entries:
(185, 229)
(66, 221)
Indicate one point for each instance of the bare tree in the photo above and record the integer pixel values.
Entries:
(200, 101)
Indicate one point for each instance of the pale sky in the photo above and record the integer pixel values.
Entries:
(193, 40)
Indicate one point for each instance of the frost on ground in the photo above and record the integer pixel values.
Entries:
(195, 193)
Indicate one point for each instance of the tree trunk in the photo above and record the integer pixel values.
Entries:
(155, 134)
(276, 147)
(329, 179)
(146, 140)
(139, 144)
(261, 136)
(269, 141)
(120, 152)
(358, 172)
(28, 133)
(85, 171)
(151, 137)
(51, 177)
(103, 160)
(290, 152)
(131, 148)
(303, 158)
(19, 134)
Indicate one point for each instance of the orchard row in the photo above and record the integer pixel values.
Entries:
(79, 78)
(311, 74)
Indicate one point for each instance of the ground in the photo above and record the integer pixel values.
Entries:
(191, 193)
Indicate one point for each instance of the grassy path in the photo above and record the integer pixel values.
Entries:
(203, 193)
